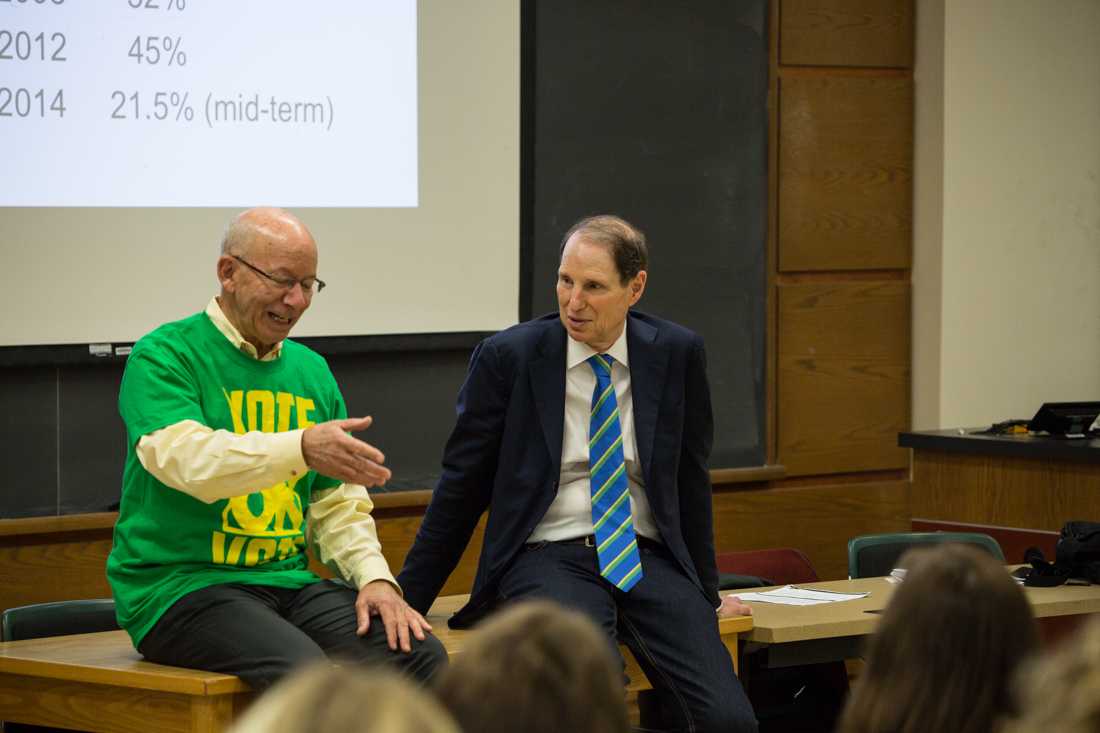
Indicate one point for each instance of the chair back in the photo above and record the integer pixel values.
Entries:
(877, 554)
(59, 618)
(755, 568)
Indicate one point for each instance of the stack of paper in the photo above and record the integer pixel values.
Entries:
(790, 595)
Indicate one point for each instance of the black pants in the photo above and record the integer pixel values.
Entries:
(664, 619)
(260, 633)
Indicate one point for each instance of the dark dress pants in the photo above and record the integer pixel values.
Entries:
(260, 633)
(665, 620)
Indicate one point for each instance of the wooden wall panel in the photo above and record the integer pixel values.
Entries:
(397, 534)
(846, 33)
(845, 172)
(843, 382)
(1002, 491)
(45, 569)
(818, 519)
(60, 566)
(54, 564)
(1014, 542)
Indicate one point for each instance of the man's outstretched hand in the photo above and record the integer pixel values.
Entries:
(329, 450)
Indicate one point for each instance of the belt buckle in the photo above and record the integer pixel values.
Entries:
(590, 541)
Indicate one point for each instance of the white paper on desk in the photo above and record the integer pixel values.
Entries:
(789, 595)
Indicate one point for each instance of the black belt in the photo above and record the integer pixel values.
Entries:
(590, 541)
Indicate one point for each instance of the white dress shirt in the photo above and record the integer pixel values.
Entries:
(570, 515)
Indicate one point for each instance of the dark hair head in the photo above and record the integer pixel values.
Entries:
(948, 645)
(537, 668)
(626, 242)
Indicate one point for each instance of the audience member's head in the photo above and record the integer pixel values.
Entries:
(1061, 692)
(944, 655)
(349, 699)
(536, 668)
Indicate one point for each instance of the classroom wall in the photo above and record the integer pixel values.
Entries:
(927, 275)
(840, 233)
(1011, 243)
(841, 246)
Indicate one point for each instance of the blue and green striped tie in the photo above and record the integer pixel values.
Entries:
(614, 529)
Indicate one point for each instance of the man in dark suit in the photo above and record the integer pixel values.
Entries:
(586, 435)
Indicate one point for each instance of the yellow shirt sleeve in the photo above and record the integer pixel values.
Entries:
(344, 535)
(216, 464)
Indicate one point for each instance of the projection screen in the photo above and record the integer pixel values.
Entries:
(132, 130)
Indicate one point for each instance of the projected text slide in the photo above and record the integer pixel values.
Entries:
(184, 103)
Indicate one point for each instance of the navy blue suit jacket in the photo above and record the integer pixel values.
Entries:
(504, 455)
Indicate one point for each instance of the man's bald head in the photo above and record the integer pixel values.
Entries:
(260, 225)
(267, 270)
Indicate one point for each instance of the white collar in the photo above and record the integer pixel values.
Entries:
(577, 353)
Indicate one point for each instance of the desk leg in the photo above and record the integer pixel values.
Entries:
(732, 644)
(214, 714)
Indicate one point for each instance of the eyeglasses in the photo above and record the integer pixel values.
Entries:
(310, 286)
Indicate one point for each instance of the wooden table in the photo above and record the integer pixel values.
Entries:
(98, 682)
(831, 631)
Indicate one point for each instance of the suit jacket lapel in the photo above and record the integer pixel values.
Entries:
(548, 387)
(648, 365)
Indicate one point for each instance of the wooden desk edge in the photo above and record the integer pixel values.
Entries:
(1068, 602)
(735, 625)
(132, 672)
(45, 659)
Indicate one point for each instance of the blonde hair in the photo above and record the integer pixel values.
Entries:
(1060, 692)
(537, 668)
(325, 698)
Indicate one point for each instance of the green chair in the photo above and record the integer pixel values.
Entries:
(877, 554)
(58, 619)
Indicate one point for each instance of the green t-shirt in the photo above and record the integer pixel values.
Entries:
(167, 543)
